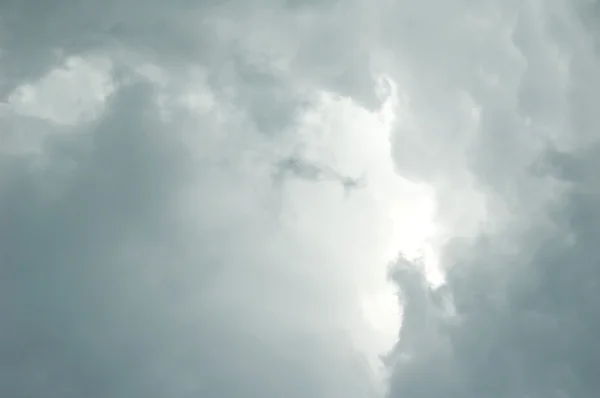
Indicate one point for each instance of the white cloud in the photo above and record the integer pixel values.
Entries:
(66, 95)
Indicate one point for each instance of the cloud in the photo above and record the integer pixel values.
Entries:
(112, 284)
(172, 211)
(513, 134)
(146, 248)
(516, 313)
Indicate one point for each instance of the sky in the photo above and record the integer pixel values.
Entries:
(299, 198)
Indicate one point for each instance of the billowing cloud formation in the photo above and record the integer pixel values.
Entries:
(201, 198)
(133, 265)
(509, 124)
(149, 247)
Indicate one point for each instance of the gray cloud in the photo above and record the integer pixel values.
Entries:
(140, 251)
(110, 288)
(516, 316)
(521, 318)
(134, 261)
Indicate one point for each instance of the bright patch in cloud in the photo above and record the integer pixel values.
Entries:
(69, 94)
(368, 227)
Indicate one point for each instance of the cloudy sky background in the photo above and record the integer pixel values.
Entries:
(299, 198)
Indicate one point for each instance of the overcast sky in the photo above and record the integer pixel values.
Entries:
(299, 198)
